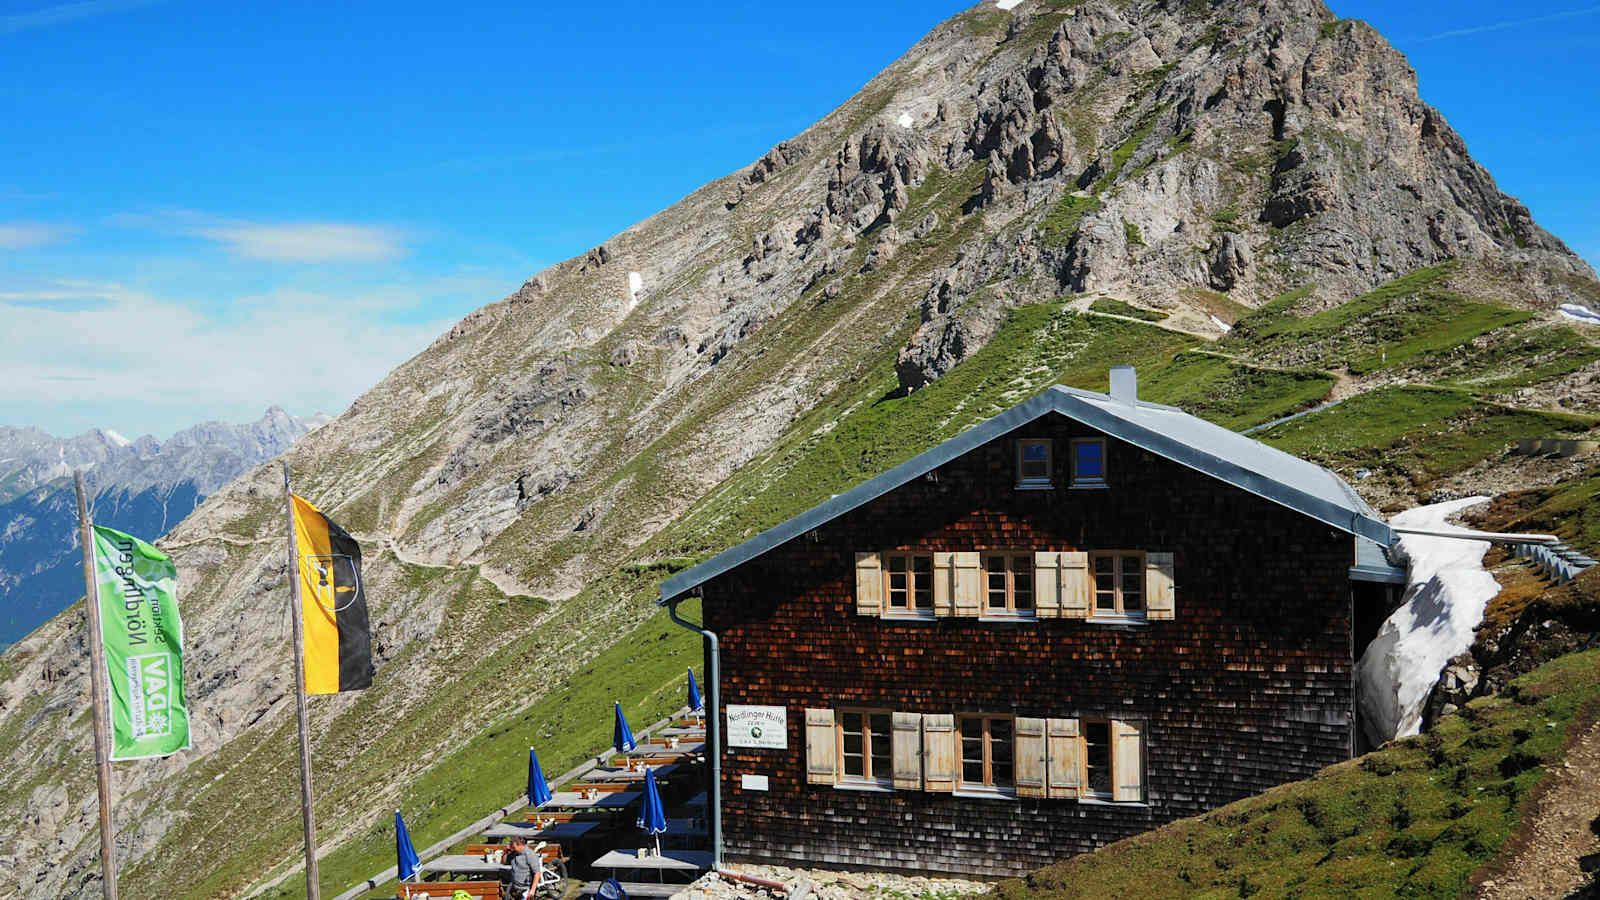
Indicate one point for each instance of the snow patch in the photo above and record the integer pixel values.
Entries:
(1580, 313)
(1007, 4)
(115, 438)
(905, 120)
(1221, 324)
(635, 285)
(1447, 589)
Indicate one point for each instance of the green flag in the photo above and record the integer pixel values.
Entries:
(143, 641)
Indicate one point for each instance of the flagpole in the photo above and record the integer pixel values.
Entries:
(307, 818)
(97, 695)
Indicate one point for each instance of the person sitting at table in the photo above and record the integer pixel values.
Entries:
(526, 867)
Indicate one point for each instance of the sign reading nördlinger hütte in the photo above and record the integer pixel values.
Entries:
(766, 727)
(143, 641)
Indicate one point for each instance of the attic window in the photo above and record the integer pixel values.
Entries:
(1033, 463)
(1089, 463)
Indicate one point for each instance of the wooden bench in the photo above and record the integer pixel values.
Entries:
(549, 851)
(551, 816)
(635, 888)
(442, 890)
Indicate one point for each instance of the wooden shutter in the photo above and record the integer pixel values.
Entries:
(1127, 761)
(821, 746)
(939, 753)
(869, 584)
(968, 583)
(943, 584)
(906, 745)
(1159, 600)
(1047, 583)
(1029, 756)
(1076, 587)
(1065, 750)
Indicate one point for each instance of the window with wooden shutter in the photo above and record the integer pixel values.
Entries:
(820, 747)
(968, 583)
(939, 753)
(1064, 752)
(1119, 584)
(1047, 583)
(1159, 593)
(1008, 584)
(944, 587)
(864, 751)
(1097, 757)
(988, 752)
(908, 579)
(907, 750)
(1030, 757)
(1075, 585)
(869, 584)
(1128, 766)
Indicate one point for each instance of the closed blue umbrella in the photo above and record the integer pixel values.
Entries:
(695, 703)
(652, 816)
(538, 790)
(405, 855)
(622, 735)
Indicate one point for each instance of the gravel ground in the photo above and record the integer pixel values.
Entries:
(1562, 850)
(831, 885)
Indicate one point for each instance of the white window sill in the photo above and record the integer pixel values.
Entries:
(1008, 617)
(1035, 486)
(1102, 801)
(903, 616)
(1088, 486)
(871, 787)
(1117, 620)
(982, 793)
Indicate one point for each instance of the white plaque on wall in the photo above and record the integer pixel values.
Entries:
(766, 727)
(753, 782)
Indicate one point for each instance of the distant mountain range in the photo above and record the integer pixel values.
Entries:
(142, 486)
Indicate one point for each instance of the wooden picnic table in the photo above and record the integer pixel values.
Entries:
(693, 861)
(571, 800)
(679, 731)
(620, 773)
(555, 831)
(461, 864)
(683, 828)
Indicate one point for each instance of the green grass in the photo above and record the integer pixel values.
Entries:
(1570, 509)
(1413, 819)
(1422, 433)
(1410, 319)
(1061, 224)
(1231, 393)
(1220, 305)
(1116, 307)
(1513, 358)
(1132, 234)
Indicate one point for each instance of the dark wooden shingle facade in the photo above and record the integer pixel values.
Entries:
(926, 734)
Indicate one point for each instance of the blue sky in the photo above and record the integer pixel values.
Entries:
(191, 189)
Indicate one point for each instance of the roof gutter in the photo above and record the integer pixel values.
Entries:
(1487, 536)
(713, 726)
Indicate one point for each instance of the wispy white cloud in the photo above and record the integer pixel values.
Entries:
(307, 242)
(21, 235)
(156, 364)
(67, 12)
(1510, 23)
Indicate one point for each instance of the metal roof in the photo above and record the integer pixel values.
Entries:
(1163, 430)
(1372, 564)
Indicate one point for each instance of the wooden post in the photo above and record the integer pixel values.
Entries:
(307, 817)
(97, 695)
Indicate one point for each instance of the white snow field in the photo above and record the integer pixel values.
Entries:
(1447, 589)
(115, 437)
(1007, 4)
(905, 120)
(1580, 313)
(635, 285)
(1221, 324)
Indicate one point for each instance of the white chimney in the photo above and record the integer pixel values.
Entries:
(1124, 384)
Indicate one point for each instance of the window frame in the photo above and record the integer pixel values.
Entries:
(1119, 611)
(1084, 791)
(987, 787)
(1010, 610)
(1036, 482)
(1088, 482)
(868, 778)
(911, 610)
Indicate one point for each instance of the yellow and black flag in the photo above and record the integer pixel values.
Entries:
(333, 604)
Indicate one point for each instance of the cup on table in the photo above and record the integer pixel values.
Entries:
(642, 851)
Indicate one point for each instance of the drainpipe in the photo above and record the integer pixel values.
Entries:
(713, 732)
